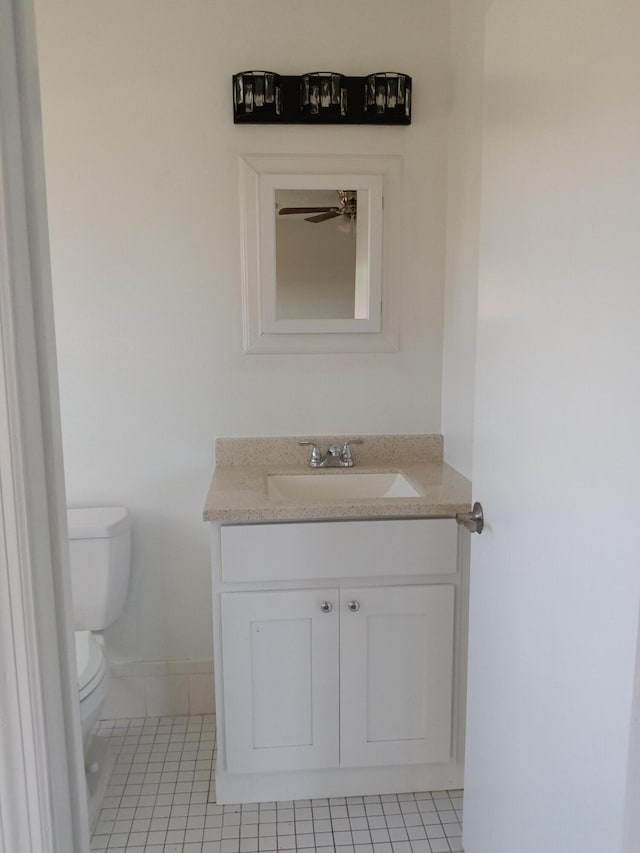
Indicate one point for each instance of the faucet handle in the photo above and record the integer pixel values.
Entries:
(347, 459)
(316, 455)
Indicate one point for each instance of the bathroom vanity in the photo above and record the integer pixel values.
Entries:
(339, 621)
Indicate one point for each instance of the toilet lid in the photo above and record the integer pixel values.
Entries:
(89, 661)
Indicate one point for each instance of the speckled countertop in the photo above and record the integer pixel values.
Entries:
(238, 491)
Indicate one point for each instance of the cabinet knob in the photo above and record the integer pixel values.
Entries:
(326, 607)
(354, 606)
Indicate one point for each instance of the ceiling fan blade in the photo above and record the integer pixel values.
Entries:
(322, 217)
(289, 210)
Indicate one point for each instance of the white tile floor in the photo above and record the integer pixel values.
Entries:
(161, 800)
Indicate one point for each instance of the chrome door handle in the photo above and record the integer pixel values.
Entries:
(326, 607)
(354, 606)
(474, 520)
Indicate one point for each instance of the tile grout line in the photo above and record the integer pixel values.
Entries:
(162, 778)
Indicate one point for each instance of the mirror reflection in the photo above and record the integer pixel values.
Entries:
(321, 254)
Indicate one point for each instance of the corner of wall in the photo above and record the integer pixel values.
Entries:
(462, 235)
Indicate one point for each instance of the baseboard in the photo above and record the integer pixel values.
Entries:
(159, 689)
(338, 782)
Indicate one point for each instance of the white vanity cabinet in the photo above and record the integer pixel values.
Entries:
(337, 654)
(329, 678)
(280, 663)
(396, 675)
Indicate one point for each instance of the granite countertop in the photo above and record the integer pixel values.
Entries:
(238, 491)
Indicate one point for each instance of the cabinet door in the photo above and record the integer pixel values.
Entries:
(280, 674)
(396, 675)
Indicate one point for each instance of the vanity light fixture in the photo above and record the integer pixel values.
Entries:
(388, 93)
(321, 97)
(323, 92)
(257, 93)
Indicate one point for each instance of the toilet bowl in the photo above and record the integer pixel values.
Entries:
(100, 559)
(93, 679)
(93, 684)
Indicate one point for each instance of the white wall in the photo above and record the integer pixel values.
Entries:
(463, 224)
(142, 173)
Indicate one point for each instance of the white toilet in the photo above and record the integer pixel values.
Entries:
(100, 557)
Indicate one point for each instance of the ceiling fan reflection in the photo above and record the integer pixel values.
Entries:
(348, 206)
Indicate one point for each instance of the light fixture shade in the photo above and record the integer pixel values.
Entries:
(387, 94)
(321, 97)
(257, 95)
(323, 94)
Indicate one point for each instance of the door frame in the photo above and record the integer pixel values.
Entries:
(42, 785)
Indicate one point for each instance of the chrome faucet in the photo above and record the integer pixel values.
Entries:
(335, 457)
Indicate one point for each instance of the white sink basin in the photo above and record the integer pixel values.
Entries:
(340, 485)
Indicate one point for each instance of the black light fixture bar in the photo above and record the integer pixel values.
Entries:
(321, 97)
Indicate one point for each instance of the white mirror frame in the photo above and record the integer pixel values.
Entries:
(260, 176)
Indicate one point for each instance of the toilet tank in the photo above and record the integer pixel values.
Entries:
(100, 557)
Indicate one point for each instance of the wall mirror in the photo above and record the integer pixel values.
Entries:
(313, 239)
(322, 263)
